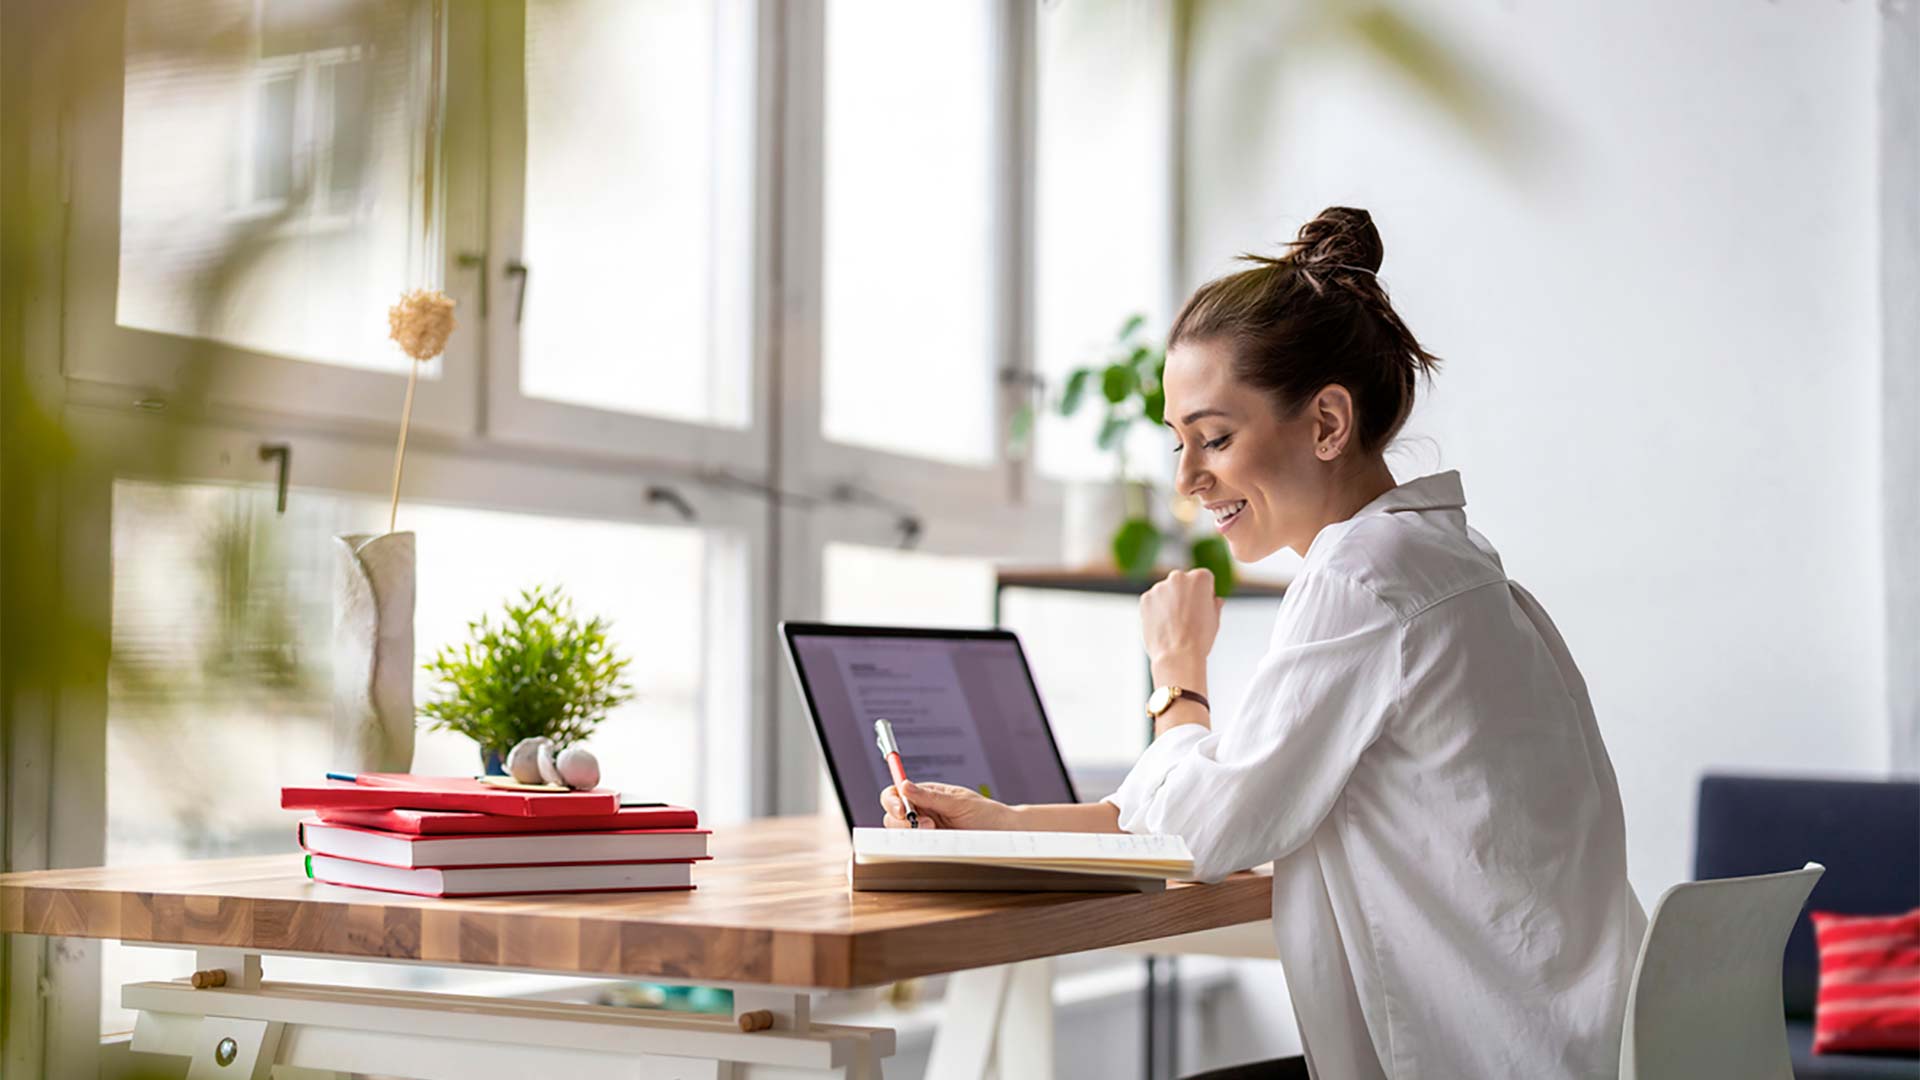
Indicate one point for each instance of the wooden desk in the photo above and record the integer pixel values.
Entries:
(771, 911)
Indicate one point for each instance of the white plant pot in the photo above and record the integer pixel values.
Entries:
(1092, 513)
(373, 718)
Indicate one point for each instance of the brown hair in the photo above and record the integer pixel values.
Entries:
(1314, 317)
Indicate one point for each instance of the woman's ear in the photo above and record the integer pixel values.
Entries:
(1332, 413)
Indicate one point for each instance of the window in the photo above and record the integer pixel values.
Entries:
(612, 190)
(1103, 171)
(909, 223)
(639, 206)
(272, 193)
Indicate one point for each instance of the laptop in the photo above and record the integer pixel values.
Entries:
(963, 706)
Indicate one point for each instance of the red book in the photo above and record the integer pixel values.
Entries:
(515, 849)
(392, 791)
(502, 880)
(467, 823)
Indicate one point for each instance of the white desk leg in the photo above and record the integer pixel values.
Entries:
(1025, 1046)
(969, 1015)
(997, 1019)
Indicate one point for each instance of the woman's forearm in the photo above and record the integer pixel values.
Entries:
(1068, 817)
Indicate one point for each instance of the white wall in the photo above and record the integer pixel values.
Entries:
(1662, 379)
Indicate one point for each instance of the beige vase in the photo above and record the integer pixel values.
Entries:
(373, 717)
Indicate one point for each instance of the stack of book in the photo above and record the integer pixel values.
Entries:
(451, 836)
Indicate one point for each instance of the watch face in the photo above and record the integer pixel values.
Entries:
(1161, 698)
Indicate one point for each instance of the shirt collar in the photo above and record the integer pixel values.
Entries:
(1441, 491)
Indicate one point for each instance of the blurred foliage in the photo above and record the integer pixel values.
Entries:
(538, 671)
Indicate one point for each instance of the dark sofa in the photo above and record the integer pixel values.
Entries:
(1866, 833)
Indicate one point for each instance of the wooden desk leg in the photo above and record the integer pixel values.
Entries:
(998, 1019)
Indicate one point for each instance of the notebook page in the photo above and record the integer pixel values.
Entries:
(984, 846)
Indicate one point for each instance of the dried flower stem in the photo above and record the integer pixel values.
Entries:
(420, 324)
(400, 453)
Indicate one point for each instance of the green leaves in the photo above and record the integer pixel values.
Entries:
(539, 671)
(1112, 430)
(1153, 405)
(1118, 382)
(1135, 546)
(1211, 552)
(1076, 389)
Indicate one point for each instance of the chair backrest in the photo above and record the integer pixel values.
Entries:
(1705, 1001)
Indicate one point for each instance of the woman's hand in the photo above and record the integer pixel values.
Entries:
(947, 806)
(1179, 618)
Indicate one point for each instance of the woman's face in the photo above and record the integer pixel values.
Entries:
(1255, 472)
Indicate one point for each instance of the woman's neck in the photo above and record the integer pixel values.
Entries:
(1349, 493)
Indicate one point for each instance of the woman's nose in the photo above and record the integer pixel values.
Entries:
(1189, 479)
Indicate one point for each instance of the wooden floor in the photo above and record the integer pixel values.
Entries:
(772, 907)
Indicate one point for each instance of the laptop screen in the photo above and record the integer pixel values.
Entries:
(962, 705)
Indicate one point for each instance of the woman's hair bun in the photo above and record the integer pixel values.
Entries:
(1342, 236)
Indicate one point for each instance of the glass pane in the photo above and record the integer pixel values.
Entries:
(272, 176)
(887, 587)
(639, 208)
(220, 680)
(908, 228)
(1091, 669)
(1103, 198)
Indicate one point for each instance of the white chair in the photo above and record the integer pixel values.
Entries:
(1705, 1002)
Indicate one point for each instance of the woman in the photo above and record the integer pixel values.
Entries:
(1417, 754)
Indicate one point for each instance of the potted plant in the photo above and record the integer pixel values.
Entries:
(1127, 385)
(538, 671)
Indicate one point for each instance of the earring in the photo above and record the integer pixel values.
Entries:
(1326, 450)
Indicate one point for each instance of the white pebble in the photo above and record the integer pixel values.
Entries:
(579, 768)
(549, 771)
(523, 762)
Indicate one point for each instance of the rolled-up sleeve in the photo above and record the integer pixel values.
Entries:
(1256, 789)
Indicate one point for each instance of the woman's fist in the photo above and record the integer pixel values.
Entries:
(1179, 618)
(946, 806)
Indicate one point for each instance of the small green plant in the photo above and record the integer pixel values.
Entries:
(538, 671)
(1128, 384)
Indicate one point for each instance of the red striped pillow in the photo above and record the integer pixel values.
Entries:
(1869, 982)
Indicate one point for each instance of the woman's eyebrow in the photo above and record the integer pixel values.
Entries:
(1198, 414)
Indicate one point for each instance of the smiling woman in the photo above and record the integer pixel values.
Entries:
(1335, 367)
(1417, 755)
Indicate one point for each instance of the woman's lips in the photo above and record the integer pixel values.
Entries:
(1226, 513)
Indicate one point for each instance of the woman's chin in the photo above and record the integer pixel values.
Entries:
(1245, 547)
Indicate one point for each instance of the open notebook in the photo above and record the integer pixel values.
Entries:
(951, 859)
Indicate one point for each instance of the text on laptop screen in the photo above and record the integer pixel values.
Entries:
(963, 710)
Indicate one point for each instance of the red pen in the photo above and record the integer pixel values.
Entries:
(883, 734)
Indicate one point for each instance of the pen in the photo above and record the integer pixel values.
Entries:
(883, 735)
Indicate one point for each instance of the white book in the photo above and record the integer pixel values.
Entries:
(967, 859)
(410, 852)
(502, 880)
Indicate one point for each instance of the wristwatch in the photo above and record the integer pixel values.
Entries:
(1163, 699)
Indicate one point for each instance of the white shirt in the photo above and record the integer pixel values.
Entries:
(1418, 758)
